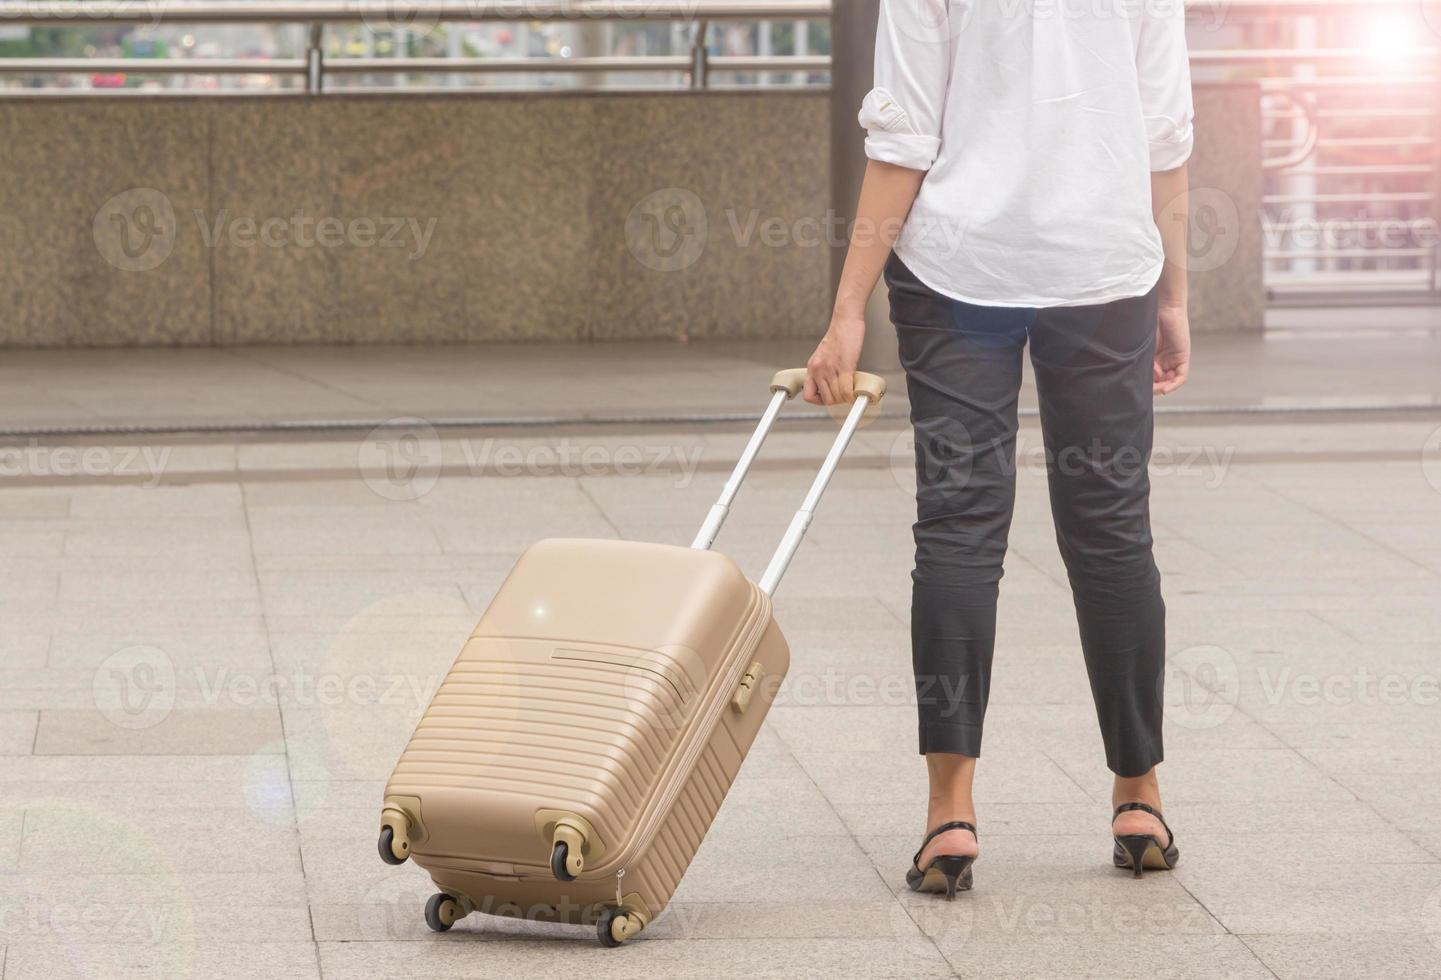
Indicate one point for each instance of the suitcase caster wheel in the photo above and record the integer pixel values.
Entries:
(391, 850)
(560, 863)
(442, 912)
(614, 927)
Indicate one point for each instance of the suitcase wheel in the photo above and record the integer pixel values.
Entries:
(614, 926)
(389, 852)
(442, 912)
(560, 863)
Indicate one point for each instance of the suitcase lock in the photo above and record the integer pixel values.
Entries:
(746, 687)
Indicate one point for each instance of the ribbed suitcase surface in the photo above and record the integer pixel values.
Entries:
(599, 683)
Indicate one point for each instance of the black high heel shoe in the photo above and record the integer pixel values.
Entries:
(1137, 851)
(947, 873)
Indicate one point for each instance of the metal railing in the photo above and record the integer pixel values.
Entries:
(316, 15)
(697, 65)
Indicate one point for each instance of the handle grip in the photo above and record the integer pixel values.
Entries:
(792, 380)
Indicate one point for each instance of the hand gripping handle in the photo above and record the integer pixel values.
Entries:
(869, 389)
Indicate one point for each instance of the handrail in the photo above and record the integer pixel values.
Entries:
(316, 14)
(475, 11)
(401, 11)
(698, 63)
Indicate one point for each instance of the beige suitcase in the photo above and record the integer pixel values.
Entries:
(574, 757)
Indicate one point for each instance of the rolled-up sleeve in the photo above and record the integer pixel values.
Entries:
(1164, 71)
(902, 113)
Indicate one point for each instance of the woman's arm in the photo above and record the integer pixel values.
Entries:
(901, 115)
(887, 192)
(1163, 71)
(1173, 327)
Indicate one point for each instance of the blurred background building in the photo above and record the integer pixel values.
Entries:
(1318, 118)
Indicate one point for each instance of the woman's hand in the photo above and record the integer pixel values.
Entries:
(1173, 349)
(831, 370)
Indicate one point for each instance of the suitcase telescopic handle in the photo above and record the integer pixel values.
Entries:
(869, 389)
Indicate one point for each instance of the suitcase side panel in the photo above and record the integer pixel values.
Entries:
(581, 720)
(654, 878)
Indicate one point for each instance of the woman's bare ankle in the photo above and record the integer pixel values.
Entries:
(951, 778)
(1139, 789)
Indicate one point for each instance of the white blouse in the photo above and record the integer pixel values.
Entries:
(1039, 122)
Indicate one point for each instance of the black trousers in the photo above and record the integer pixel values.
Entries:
(1093, 378)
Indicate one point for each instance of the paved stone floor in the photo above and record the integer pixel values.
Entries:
(213, 647)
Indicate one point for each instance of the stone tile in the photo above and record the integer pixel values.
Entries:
(195, 537)
(17, 732)
(150, 580)
(224, 731)
(132, 961)
(1220, 774)
(1106, 956)
(161, 908)
(360, 531)
(24, 651)
(1330, 957)
(1268, 892)
(883, 778)
(573, 950)
(71, 838)
(214, 500)
(12, 817)
(778, 866)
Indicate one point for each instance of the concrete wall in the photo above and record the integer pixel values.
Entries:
(1226, 182)
(552, 217)
(460, 218)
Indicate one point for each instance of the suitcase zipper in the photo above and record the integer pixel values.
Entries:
(693, 750)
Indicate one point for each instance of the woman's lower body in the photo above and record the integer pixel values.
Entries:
(1093, 371)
